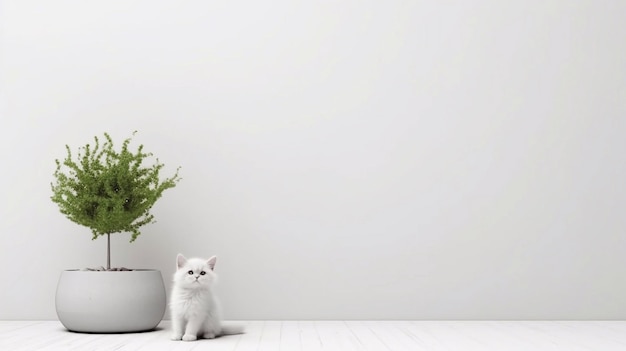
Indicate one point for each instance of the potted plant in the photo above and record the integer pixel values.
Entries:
(109, 191)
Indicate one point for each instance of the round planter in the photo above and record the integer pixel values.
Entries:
(110, 302)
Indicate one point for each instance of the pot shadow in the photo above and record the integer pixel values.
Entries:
(157, 329)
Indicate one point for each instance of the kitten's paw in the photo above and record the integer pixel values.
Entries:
(209, 335)
(189, 337)
(177, 336)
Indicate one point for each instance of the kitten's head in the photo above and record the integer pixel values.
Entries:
(195, 273)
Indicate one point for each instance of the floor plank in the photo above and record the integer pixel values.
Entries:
(366, 337)
(270, 336)
(336, 335)
(309, 336)
(251, 339)
(289, 336)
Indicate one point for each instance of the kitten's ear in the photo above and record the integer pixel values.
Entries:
(211, 262)
(180, 261)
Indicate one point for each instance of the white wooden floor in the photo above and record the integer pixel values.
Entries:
(338, 335)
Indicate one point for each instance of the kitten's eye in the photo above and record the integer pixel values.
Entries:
(202, 273)
(190, 272)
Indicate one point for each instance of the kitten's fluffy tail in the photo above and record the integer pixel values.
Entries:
(232, 329)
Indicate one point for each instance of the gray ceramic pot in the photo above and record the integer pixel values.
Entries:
(110, 302)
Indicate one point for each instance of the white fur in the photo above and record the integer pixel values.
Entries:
(194, 307)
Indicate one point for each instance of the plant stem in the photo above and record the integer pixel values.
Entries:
(108, 251)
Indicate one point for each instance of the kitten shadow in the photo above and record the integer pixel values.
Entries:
(221, 337)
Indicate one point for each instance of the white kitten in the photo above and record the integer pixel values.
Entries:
(194, 307)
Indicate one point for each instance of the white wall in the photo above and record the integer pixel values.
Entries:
(344, 159)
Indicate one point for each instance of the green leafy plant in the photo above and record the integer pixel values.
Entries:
(109, 191)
